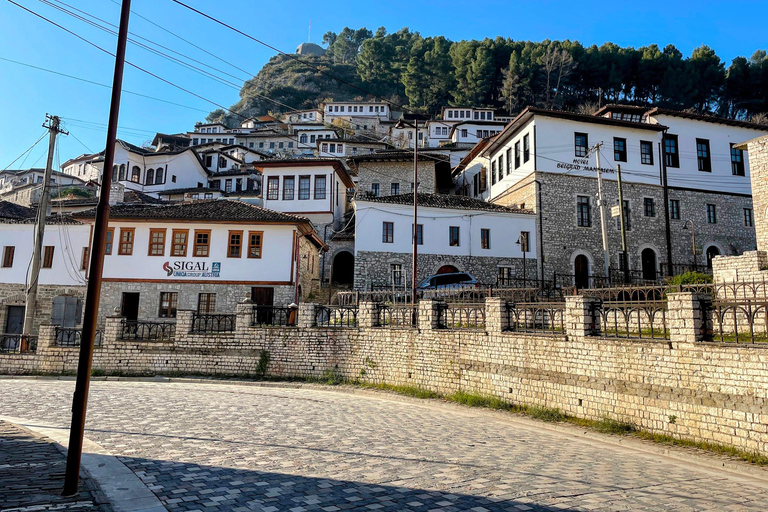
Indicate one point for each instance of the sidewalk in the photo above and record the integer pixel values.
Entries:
(32, 475)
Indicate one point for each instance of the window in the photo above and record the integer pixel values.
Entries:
(126, 241)
(208, 195)
(85, 255)
(479, 134)
(619, 149)
(150, 179)
(280, 144)
(702, 155)
(419, 233)
(711, 214)
(289, 183)
(671, 156)
(674, 209)
(255, 239)
(156, 242)
(485, 238)
(387, 232)
(396, 269)
(271, 145)
(627, 220)
(464, 133)
(8, 253)
(202, 247)
(110, 240)
(524, 237)
(375, 189)
(228, 185)
(239, 184)
(581, 144)
(168, 302)
(319, 187)
(583, 212)
(273, 188)
(179, 242)
(748, 220)
(453, 236)
(517, 154)
(235, 247)
(122, 173)
(48, 256)
(206, 303)
(646, 152)
(493, 172)
(649, 206)
(737, 161)
(304, 184)
(395, 189)
(509, 160)
(501, 166)
(526, 148)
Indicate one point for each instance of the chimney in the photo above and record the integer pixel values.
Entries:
(116, 193)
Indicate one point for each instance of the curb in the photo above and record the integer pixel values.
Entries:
(123, 489)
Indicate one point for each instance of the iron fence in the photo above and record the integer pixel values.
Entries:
(141, 330)
(396, 316)
(336, 316)
(536, 317)
(72, 336)
(738, 313)
(631, 311)
(17, 343)
(460, 315)
(273, 316)
(213, 323)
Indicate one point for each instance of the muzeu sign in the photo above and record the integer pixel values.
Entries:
(182, 268)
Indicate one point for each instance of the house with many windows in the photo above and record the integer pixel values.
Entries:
(680, 172)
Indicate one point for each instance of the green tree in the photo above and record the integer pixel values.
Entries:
(428, 78)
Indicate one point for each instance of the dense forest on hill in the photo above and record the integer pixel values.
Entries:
(426, 73)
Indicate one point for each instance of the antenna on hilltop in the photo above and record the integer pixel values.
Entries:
(309, 36)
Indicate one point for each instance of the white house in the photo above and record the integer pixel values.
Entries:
(460, 114)
(472, 132)
(373, 109)
(455, 234)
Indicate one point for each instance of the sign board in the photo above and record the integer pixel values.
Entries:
(615, 211)
(192, 269)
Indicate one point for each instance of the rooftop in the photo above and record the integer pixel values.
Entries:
(445, 201)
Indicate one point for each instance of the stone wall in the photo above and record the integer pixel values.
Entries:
(758, 172)
(375, 268)
(679, 387)
(15, 295)
(387, 172)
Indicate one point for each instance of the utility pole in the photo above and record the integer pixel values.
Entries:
(95, 268)
(52, 123)
(601, 204)
(624, 258)
(414, 263)
(665, 189)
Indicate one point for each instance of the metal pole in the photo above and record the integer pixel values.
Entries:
(624, 258)
(96, 266)
(601, 204)
(693, 236)
(414, 264)
(665, 189)
(30, 307)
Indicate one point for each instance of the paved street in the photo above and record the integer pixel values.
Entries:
(214, 447)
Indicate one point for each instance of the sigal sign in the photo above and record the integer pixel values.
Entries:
(181, 268)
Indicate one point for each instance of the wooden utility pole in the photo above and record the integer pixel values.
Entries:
(601, 204)
(414, 264)
(624, 258)
(95, 268)
(52, 123)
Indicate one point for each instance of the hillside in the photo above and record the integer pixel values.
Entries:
(427, 73)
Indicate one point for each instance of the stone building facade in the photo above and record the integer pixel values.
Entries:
(382, 171)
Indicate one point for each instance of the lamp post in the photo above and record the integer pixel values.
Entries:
(522, 241)
(693, 241)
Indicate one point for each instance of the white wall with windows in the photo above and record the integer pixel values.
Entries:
(467, 114)
(155, 172)
(355, 109)
(515, 159)
(472, 133)
(384, 227)
(304, 189)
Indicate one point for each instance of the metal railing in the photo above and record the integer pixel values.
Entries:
(141, 330)
(213, 323)
(336, 316)
(461, 316)
(388, 315)
(738, 313)
(631, 311)
(72, 336)
(536, 317)
(17, 343)
(273, 316)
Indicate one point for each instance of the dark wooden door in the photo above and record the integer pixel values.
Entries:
(14, 323)
(263, 296)
(130, 306)
(648, 257)
(581, 271)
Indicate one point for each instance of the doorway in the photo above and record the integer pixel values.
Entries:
(648, 259)
(581, 271)
(712, 251)
(263, 297)
(129, 308)
(343, 269)
(67, 311)
(14, 323)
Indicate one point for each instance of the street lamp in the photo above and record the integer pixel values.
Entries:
(522, 241)
(693, 241)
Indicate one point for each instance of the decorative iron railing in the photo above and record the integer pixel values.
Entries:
(336, 316)
(536, 317)
(461, 316)
(17, 343)
(213, 323)
(141, 330)
(72, 336)
(396, 316)
(273, 316)
(738, 313)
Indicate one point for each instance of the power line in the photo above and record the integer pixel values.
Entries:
(30, 148)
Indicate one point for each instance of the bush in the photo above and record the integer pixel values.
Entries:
(690, 278)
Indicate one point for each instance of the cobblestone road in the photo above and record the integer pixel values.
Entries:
(215, 447)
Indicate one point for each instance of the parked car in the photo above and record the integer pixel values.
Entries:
(452, 280)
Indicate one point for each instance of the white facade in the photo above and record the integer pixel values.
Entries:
(308, 137)
(454, 114)
(355, 109)
(472, 133)
(303, 116)
(505, 229)
(439, 131)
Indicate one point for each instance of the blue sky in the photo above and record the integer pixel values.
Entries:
(26, 95)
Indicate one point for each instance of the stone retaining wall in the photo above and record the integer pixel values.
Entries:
(680, 387)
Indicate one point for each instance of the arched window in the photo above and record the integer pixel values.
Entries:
(150, 179)
(159, 176)
(121, 176)
(303, 138)
(114, 173)
(136, 174)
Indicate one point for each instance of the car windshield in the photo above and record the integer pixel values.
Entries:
(451, 279)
